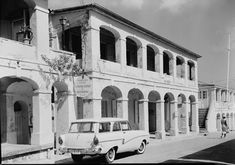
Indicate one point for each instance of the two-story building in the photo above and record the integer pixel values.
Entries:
(129, 72)
(133, 72)
(214, 102)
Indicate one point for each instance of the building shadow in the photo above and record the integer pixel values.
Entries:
(223, 152)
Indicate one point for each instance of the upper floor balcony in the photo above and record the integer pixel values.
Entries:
(107, 47)
(17, 50)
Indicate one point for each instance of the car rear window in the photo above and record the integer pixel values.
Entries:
(82, 127)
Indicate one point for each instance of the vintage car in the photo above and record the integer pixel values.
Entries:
(105, 136)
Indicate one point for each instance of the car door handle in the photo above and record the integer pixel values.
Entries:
(124, 132)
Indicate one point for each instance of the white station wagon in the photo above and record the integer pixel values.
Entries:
(106, 136)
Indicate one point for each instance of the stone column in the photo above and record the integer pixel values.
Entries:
(160, 119)
(96, 107)
(144, 58)
(143, 112)
(123, 105)
(161, 63)
(195, 125)
(229, 121)
(186, 70)
(232, 121)
(42, 122)
(187, 108)
(174, 66)
(92, 50)
(174, 118)
(39, 23)
(123, 54)
(195, 73)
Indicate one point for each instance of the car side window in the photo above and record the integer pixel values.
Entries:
(125, 126)
(104, 127)
(116, 126)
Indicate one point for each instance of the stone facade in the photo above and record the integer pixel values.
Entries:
(218, 102)
(130, 73)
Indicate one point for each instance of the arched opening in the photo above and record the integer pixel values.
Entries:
(16, 110)
(131, 53)
(60, 110)
(223, 95)
(218, 125)
(73, 41)
(110, 104)
(135, 108)
(182, 124)
(153, 107)
(191, 70)
(169, 111)
(180, 69)
(167, 63)
(107, 45)
(150, 59)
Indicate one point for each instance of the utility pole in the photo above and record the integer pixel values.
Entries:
(229, 51)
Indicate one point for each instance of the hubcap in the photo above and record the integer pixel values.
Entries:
(111, 154)
(141, 147)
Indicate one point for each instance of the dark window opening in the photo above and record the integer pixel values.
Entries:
(73, 41)
(179, 65)
(107, 45)
(166, 67)
(190, 71)
(131, 53)
(150, 59)
(17, 107)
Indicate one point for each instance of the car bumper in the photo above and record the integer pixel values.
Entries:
(84, 151)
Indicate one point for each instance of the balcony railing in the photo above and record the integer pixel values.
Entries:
(17, 50)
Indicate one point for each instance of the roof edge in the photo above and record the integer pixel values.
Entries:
(97, 7)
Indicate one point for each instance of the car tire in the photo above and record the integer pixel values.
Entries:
(76, 158)
(110, 156)
(141, 148)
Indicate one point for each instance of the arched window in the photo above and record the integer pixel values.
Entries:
(131, 52)
(107, 45)
(180, 71)
(150, 59)
(191, 70)
(73, 41)
(167, 63)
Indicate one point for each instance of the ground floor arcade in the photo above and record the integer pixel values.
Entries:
(33, 112)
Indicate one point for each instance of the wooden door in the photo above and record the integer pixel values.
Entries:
(21, 123)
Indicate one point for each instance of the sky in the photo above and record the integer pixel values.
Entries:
(202, 26)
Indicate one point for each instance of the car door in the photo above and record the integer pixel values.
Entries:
(128, 136)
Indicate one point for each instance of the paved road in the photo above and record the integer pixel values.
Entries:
(210, 149)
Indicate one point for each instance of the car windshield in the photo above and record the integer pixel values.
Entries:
(82, 127)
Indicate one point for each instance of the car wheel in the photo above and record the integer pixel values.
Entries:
(76, 158)
(141, 148)
(110, 156)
